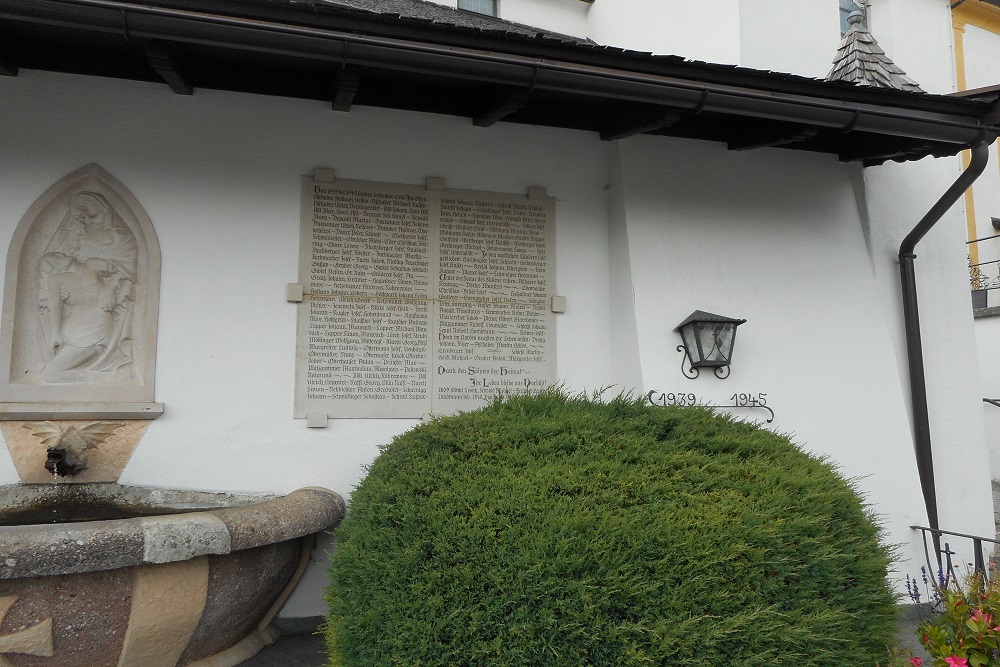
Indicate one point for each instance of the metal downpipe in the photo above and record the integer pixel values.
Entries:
(911, 319)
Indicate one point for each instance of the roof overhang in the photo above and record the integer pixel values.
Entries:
(323, 51)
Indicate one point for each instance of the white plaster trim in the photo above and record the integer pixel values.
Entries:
(29, 411)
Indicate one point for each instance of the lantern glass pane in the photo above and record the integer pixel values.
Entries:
(716, 342)
(691, 343)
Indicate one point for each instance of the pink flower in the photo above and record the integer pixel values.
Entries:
(917, 661)
(955, 661)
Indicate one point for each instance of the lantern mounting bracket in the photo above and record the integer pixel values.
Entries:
(690, 372)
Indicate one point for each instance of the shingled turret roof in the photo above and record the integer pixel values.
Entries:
(862, 61)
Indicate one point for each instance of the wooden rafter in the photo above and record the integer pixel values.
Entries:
(641, 123)
(166, 59)
(791, 136)
(8, 66)
(345, 87)
(500, 105)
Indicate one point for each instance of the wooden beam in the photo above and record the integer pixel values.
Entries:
(501, 105)
(874, 155)
(992, 115)
(345, 87)
(639, 124)
(166, 59)
(792, 135)
(8, 66)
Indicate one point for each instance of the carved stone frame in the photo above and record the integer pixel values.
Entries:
(22, 394)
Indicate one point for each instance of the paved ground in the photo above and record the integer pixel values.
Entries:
(291, 651)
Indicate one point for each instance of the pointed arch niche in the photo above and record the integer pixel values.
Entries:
(80, 303)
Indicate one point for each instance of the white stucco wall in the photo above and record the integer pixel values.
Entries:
(988, 346)
(985, 196)
(708, 31)
(982, 53)
(651, 226)
(779, 35)
(626, 366)
(218, 174)
(568, 17)
(898, 197)
(774, 238)
(981, 50)
(917, 35)
(223, 196)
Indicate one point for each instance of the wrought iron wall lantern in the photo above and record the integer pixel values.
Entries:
(708, 343)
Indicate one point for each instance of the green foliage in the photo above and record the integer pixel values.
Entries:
(965, 623)
(559, 531)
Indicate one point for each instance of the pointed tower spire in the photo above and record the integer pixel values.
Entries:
(862, 61)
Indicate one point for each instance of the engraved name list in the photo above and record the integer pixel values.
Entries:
(421, 301)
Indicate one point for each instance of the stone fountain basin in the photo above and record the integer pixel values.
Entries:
(148, 577)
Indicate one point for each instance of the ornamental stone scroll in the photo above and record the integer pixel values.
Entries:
(81, 298)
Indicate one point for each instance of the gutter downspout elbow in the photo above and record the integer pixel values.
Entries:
(911, 320)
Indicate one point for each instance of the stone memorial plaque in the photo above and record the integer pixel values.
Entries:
(421, 301)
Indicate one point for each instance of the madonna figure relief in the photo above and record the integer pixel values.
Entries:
(80, 303)
(86, 292)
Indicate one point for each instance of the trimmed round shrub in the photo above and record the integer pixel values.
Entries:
(561, 531)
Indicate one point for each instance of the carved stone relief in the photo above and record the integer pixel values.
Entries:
(80, 301)
(86, 295)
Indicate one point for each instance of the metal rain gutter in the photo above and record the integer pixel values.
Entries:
(199, 27)
(911, 320)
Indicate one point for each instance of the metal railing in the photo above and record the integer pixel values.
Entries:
(944, 556)
(983, 276)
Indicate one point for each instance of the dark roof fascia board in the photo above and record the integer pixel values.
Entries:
(183, 23)
(550, 45)
(325, 16)
(989, 93)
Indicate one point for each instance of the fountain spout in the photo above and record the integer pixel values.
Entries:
(61, 461)
(68, 447)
